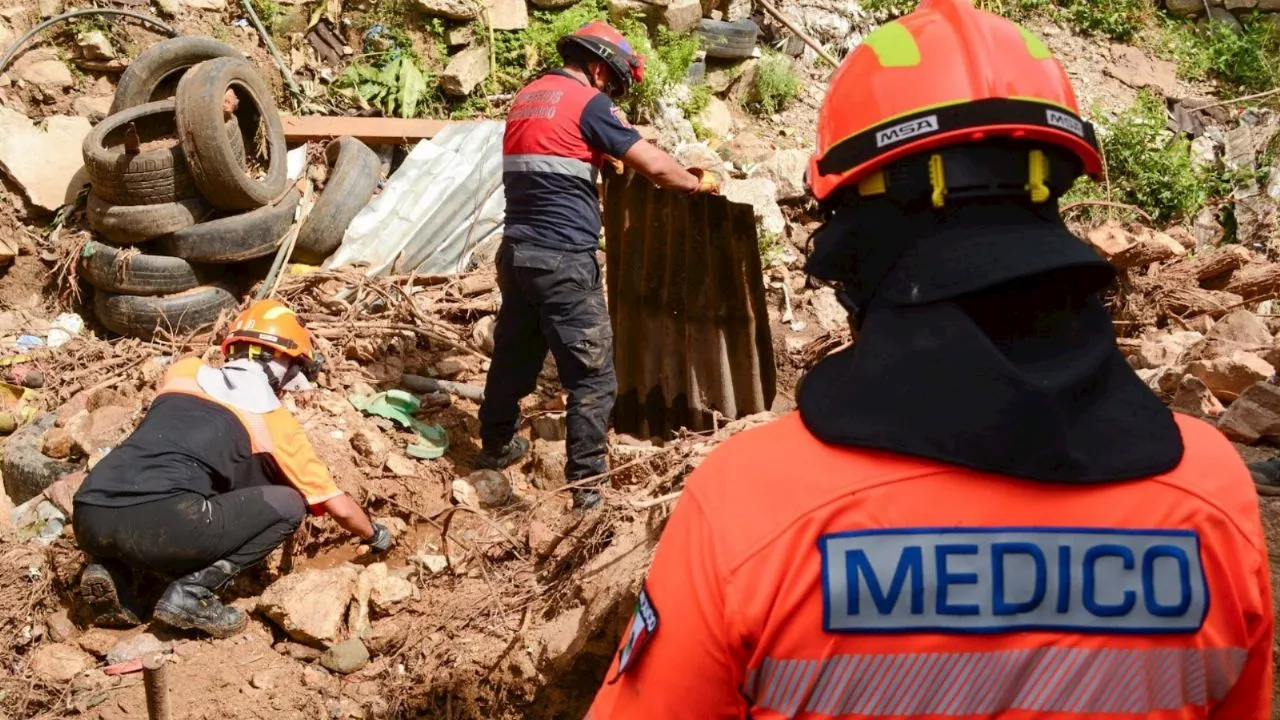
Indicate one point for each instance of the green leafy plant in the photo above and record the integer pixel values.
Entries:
(772, 249)
(397, 85)
(1117, 19)
(1147, 166)
(1246, 61)
(776, 84)
(270, 13)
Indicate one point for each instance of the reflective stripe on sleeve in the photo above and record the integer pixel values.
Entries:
(550, 164)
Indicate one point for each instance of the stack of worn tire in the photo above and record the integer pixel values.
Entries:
(188, 186)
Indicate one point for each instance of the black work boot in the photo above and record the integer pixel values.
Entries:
(503, 457)
(1266, 476)
(585, 499)
(189, 602)
(104, 588)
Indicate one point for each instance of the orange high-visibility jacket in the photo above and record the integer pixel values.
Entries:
(802, 580)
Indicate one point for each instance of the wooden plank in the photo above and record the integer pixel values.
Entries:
(377, 130)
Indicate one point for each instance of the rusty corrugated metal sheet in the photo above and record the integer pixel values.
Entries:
(686, 296)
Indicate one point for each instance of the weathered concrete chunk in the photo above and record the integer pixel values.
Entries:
(43, 162)
(346, 657)
(451, 9)
(466, 70)
(762, 195)
(509, 15)
(1255, 415)
(1228, 377)
(310, 605)
(57, 663)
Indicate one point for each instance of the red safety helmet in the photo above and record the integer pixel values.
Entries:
(946, 74)
(600, 39)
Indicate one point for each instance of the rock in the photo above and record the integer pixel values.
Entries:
(828, 311)
(100, 430)
(1228, 377)
(42, 162)
(1204, 152)
(297, 651)
(492, 488)
(60, 627)
(509, 15)
(451, 9)
(465, 494)
(371, 444)
(98, 641)
(549, 426)
(682, 16)
(786, 168)
(58, 664)
(358, 613)
(346, 657)
(1223, 17)
(561, 639)
(698, 155)
(434, 564)
(389, 592)
(716, 118)
(1241, 326)
(460, 36)
(553, 4)
(1208, 231)
(135, 647)
(1194, 398)
(56, 443)
(762, 195)
(94, 45)
(466, 70)
(95, 107)
(1255, 415)
(1240, 4)
(482, 333)
(401, 465)
(451, 367)
(310, 605)
(1164, 350)
(746, 149)
(216, 5)
(169, 7)
(263, 680)
(314, 678)
(1269, 5)
(1134, 68)
(394, 525)
(1185, 7)
(49, 8)
(48, 75)
(1255, 213)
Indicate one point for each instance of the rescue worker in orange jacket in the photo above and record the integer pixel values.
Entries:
(978, 511)
(560, 131)
(216, 476)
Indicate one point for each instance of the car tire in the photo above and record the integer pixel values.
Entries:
(728, 39)
(235, 238)
(117, 270)
(131, 224)
(27, 471)
(218, 171)
(154, 74)
(144, 316)
(356, 170)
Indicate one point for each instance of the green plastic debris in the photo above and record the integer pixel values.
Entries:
(398, 406)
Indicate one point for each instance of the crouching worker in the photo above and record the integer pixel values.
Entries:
(216, 476)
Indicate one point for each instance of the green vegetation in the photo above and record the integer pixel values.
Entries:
(772, 249)
(270, 13)
(1146, 165)
(1117, 19)
(776, 84)
(393, 82)
(1245, 62)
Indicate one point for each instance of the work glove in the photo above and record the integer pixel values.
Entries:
(708, 182)
(381, 540)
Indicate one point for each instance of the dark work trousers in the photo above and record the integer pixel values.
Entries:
(552, 300)
(186, 532)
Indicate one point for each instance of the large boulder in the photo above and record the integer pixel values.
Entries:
(1228, 377)
(1255, 415)
(310, 605)
(466, 70)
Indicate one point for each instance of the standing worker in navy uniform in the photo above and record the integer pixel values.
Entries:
(560, 129)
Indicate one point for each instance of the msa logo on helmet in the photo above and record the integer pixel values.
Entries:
(1065, 121)
(907, 130)
(982, 580)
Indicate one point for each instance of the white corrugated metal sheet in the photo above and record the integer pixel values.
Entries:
(443, 201)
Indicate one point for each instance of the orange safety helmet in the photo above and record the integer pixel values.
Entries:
(601, 40)
(946, 74)
(274, 325)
